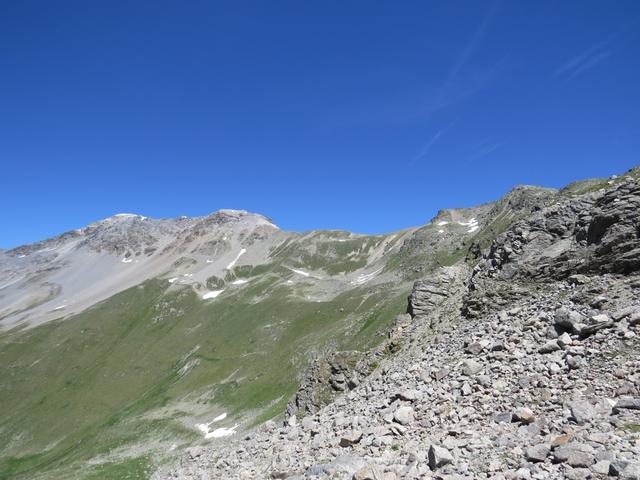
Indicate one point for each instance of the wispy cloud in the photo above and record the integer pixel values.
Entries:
(432, 141)
(451, 89)
(598, 53)
(585, 61)
(484, 148)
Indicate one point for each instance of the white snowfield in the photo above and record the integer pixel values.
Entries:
(240, 281)
(173, 279)
(473, 229)
(212, 294)
(127, 260)
(443, 223)
(232, 264)
(205, 428)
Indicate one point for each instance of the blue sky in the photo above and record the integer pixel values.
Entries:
(359, 115)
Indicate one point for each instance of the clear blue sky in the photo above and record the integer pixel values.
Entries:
(360, 115)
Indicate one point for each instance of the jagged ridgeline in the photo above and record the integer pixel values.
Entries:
(126, 341)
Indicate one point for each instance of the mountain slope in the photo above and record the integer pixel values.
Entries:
(519, 364)
(124, 340)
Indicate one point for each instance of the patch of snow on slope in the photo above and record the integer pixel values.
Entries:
(222, 416)
(230, 266)
(21, 256)
(61, 307)
(470, 223)
(217, 433)
(440, 231)
(240, 281)
(212, 294)
(300, 272)
(473, 229)
(364, 278)
(129, 215)
(127, 260)
(443, 223)
(173, 280)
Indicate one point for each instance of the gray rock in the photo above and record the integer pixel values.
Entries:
(471, 367)
(574, 361)
(523, 415)
(370, 472)
(568, 319)
(538, 453)
(439, 457)
(601, 467)
(550, 346)
(582, 411)
(350, 438)
(504, 417)
(403, 415)
(473, 348)
(630, 472)
(627, 404)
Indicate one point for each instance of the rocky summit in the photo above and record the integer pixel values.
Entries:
(519, 361)
(494, 342)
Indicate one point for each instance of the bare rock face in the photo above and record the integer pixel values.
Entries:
(595, 233)
(327, 377)
(430, 293)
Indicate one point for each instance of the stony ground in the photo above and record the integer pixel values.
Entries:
(515, 394)
(518, 369)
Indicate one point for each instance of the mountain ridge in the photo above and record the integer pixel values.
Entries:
(168, 326)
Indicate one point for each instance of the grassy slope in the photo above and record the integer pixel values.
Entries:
(86, 386)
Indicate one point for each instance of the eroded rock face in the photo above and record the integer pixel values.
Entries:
(595, 233)
(431, 293)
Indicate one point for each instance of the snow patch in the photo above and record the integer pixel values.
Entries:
(443, 223)
(222, 416)
(209, 260)
(364, 278)
(127, 260)
(300, 272)
(21, 256)
(218, 432)
(473, 229)
(129, 215)
(242, 252)
(440, 231)
(212, 294)
(470, 223)
(173, 280)
(61, 307)
(240, 281)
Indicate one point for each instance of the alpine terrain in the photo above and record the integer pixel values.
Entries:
(499, 342)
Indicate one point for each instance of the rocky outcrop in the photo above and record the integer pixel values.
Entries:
(336, 373)
(431, 293)
(594, 233)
